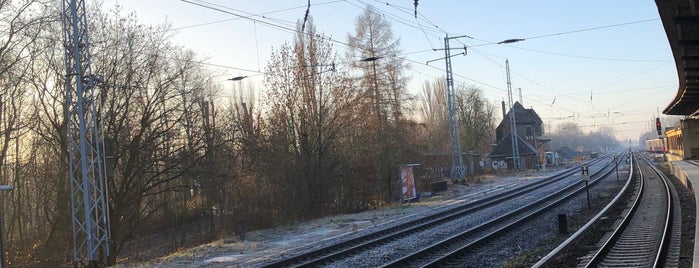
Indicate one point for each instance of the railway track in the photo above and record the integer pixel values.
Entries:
(457, 250)
(645, 235)
(641, 240)
(325, 255)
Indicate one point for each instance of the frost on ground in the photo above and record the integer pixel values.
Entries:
(263, 246)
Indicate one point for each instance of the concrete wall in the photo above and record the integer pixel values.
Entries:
(675, 167)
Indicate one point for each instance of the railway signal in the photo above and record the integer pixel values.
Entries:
(658, 127)
(585, 172)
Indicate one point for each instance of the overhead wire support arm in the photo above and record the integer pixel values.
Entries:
(457, 37)
(460, 54)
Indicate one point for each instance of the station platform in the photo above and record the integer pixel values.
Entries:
(688, 174)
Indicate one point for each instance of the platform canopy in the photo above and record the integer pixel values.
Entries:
(681, 23)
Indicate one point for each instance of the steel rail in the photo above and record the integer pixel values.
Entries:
(327, 254)
(458, 238)
(612, 248)
(576, 236)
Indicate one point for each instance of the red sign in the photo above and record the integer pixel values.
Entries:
(407, 182)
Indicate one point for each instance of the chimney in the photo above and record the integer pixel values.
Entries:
(504, 114)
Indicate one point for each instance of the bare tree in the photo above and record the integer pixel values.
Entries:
(311, 107)
(433, 112)
(374, 52)
(152, 118)
(477, 118)
(23, 24)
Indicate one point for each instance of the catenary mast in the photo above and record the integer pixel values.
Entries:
(513, 124)
(458, 170)
(90, 217)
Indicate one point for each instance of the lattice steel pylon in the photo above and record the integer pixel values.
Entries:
(90, 215)
(513, 123)
(458, 170)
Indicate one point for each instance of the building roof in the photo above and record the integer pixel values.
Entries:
(522, 116)
(567, 153)
(504, 148)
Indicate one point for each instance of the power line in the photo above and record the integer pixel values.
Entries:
(644, 97)
(405, 10)
(593, 28)
(536, 100)
(211, 64)
(392, 17)
(632, 76)
(396, 18)
(262, 15)
(212, 6)
(569, 95)
(418, 27)
(518, 74)
(585, 93)
(575, 31)
(205, 4)
(482, 83)
(584, 57)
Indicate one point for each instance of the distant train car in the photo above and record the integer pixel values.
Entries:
(683, 140)
(675, 145)
(655, 146)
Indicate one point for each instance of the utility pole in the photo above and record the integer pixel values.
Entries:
(458, 170)
(513, 125)
(90, 215)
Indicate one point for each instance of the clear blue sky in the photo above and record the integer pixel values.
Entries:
(602, 74)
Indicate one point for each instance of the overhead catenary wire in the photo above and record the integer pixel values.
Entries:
(632, 76)
(404, 9)
(593, 28)
(585, 57)
(536, 100)
(483, 84)
(391, 17)
(211, 6)
(96, 46)
(572, 96)
(573, 31)
(421, 28)
(516, 73)
(204, 4)
(419, 17)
